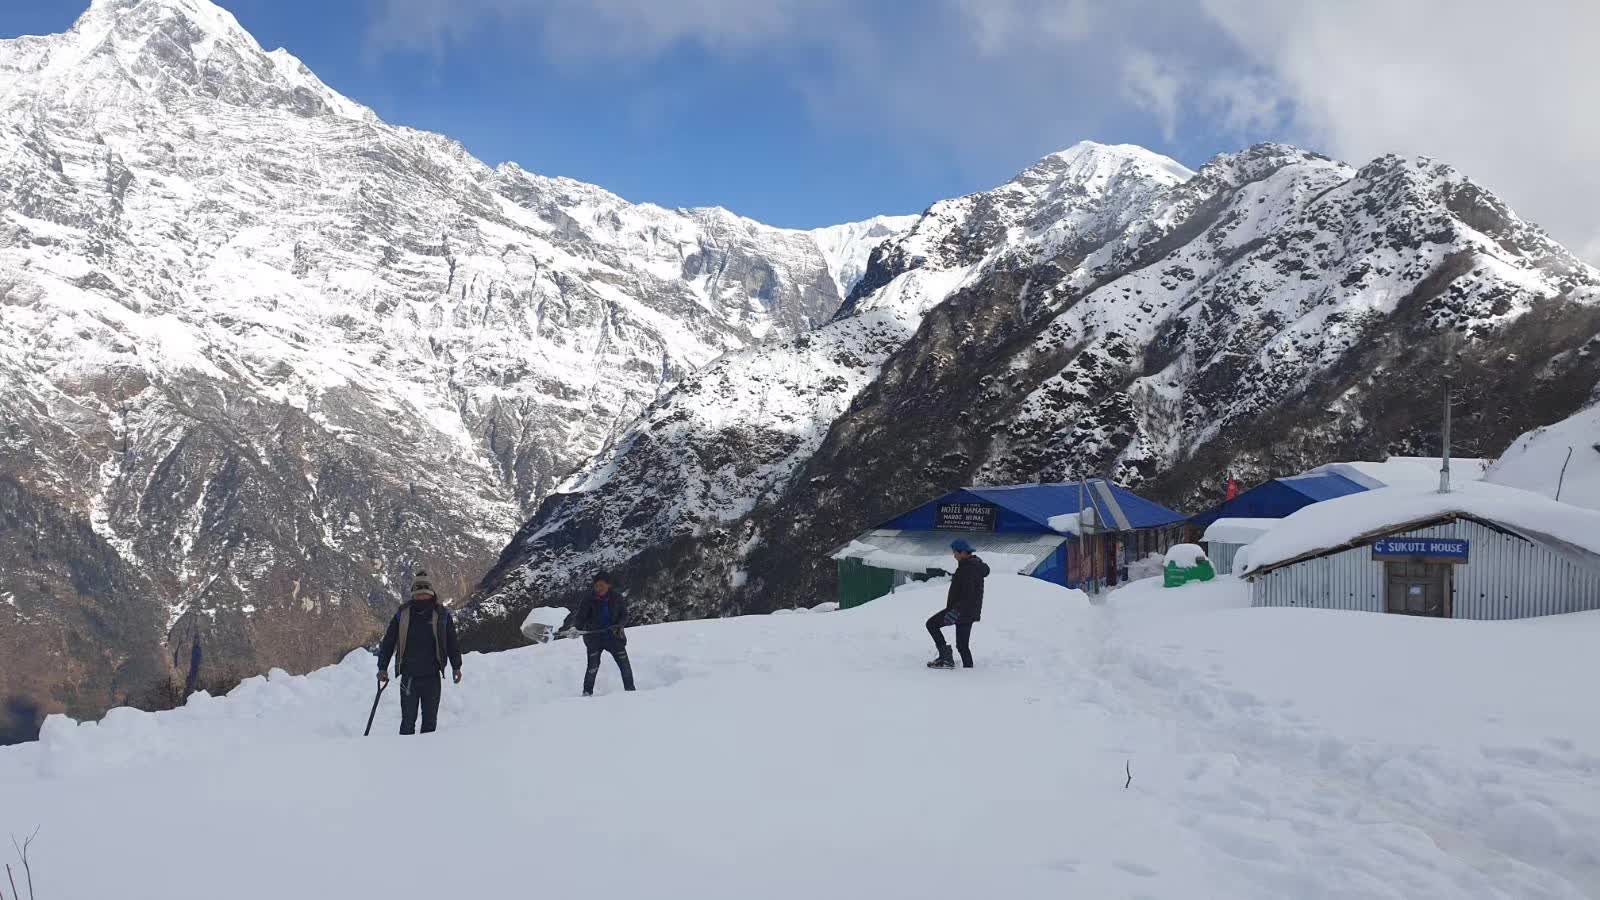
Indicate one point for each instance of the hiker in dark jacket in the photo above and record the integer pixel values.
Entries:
(963, 607)
(600, 617)
(421, 637)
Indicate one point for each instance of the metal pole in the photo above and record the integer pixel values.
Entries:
(1086, 566)
(1563, 477)
(1444, 470)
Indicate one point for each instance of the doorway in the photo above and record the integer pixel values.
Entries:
(1418, 589)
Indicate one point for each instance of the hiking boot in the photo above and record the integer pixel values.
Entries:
(945, 661)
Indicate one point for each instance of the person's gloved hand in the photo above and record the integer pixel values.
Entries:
(383, 677)
(456, 677)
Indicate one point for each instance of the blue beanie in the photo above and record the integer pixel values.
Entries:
(962, 545)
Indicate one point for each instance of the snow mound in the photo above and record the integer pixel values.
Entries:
(1185, 555)
(1342, 521)
(1150, 567)
(542, 620)
(1561, 461)
(1241, 562)
(1074, 522)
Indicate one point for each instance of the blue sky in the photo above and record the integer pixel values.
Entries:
(812, 112)
(683, 128)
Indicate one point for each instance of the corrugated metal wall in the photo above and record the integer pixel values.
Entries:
(1521, 579)
(1508, 578)
(1347, 580)
(1221, 555)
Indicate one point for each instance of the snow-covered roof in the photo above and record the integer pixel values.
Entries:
(1238, 531)
(1052, 506)
(921, 551)
(1405, 471)
(1348, 521)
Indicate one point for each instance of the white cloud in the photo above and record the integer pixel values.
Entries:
(1156, 87)
(1244, 105)
(998, 25)
(1504, 91)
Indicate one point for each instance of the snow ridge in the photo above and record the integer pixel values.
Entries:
(848, 247)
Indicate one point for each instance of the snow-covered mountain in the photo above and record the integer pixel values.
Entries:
(1105, 312)
(848, 247)
(701, 459)
(260, 352)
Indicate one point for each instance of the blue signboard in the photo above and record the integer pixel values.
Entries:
(966, 517)
(1450, 550)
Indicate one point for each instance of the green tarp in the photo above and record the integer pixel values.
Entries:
(1178, 576)
(860, 583)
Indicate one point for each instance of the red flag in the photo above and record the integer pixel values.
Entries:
(1233, 488)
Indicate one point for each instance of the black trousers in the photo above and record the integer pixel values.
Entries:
(944, 619)
(618, 648)
(419, 691)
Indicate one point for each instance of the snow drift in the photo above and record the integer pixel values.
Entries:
(1561, 462)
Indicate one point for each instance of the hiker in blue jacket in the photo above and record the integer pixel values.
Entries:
(600, 617)
(420, 639)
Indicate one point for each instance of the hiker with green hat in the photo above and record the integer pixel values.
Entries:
(420, 639)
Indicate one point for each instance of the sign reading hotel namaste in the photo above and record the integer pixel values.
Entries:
(1443, 550)
(964, 517)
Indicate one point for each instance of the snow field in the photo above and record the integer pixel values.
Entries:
(1275, 753)
(1414, 758)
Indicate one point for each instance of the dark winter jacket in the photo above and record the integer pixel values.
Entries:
(966, 589)
(596, 613)
(429, 640)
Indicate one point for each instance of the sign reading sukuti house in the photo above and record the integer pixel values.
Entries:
(965, 517)
(1443, 550)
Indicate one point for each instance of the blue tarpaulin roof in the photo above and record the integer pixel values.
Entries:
(1031, 506)
(1280, 497)
(1322, 486)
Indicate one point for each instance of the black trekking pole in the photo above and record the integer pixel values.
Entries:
(374, 713)
(576, 633)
